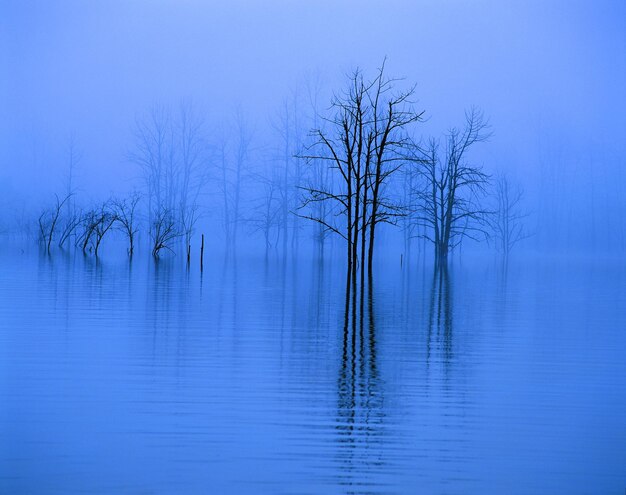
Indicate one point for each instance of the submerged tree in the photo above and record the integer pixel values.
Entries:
(89, 220)
(266, 215)
(106, 219)
(233, 170)
(507, 221)
(290, 127)
(95, 223)
(72, 219)
(154, 153)
(193, 174)
(171, 152)
(163, 231)
(72, 216)
(451, 190)
(364, 145)
(49, 219)
(126, 216)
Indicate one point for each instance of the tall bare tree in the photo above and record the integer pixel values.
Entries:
(364, 145)
(507, 220)
(193, 172)
(242, 153)
(233, 163)
(171, 152)
(451, 191)
(267, 210)
(318, 173)
(155, 155)
(289, 126)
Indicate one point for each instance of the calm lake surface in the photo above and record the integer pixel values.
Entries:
(147, 378)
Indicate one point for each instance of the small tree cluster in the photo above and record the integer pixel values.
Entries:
(88, 227)
(171, 152)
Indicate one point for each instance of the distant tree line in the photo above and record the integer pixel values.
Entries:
(345, 171)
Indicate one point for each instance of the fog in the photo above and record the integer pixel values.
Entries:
(312, 247)
(548, 76)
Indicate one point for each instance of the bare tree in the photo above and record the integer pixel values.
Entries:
(288, 125)
(164, 231)
(224, 186)
(365, 144)
(71, 222)
(392, 114)
(125, 211)
(267, 213)
(88, 224)
(233, 163)
(408, 183)
(170, 150)
(449, 198)
(49, 219)
(193, 174)
(154, 152)
(244, 139)
(106, 219)
(74, 155)
(95, 223)
(318, 174)
(507, 221)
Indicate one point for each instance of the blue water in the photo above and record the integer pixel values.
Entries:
(146, 378)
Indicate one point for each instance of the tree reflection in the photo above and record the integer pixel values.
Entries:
(360, 414)
(440, 315)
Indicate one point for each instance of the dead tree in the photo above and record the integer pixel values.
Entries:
(365, 144)
(125, 211)
(241, 158)
(408, 182)
(449, 198)
(193, 173)
(106, 219)
(267, 214)
(507, 221)
(49, 219)
(96, 222)
(288, 126)
(318, 172)
(170, 150)
(71, 223)
(233, 170)
(88, 223)
(155, 153)
(164, 231)
(392, 116)
(71, 216)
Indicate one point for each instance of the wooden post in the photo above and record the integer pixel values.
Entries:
(202, 254)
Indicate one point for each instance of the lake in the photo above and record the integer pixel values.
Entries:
(147, 378)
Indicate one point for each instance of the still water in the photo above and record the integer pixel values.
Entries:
(144, 378)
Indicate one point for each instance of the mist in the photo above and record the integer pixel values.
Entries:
(549, 78)
(312, 247)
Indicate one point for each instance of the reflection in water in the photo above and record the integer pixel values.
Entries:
(440, 315)
(360, 415)
(259, 376)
